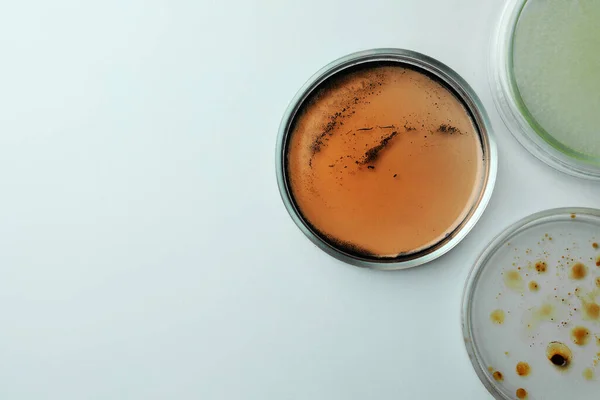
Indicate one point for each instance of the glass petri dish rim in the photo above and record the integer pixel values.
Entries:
(476, 270)
(465, 94)
(514, 112)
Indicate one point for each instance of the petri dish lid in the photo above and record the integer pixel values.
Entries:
(544, 73)
(531, 319)
(459, 88)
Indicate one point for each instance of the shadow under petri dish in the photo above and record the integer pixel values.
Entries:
(556, 70)
(384, 160)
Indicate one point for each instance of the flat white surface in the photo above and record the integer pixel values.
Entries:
(144, 250)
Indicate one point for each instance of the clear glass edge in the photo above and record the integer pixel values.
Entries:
(477, 269)
(513, 118)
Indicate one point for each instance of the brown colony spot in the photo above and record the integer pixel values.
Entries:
(559, 360)
(497, 317)
(595, 245)
(523, 369)
(541, 266)
(365, 125)
(513, 280)
(533, 286)
(498, 376)
(580, 335)
(521, 393)
(591, 310)
(578, 271)
(559, 354)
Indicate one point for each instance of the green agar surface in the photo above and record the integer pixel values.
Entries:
(556, 69)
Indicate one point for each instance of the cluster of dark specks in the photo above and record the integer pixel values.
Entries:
(373, 153)
(347, 109)
(449, 129)
(559, 354)
(328, 129)
(409, 128)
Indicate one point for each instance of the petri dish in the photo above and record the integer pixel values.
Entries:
(545, 78)
(385, 159)
(531, 313)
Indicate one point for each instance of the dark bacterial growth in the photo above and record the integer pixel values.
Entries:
(384, 160)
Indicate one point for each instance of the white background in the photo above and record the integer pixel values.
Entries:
(144, 250)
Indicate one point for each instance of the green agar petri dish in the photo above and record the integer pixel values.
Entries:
(545, 77)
